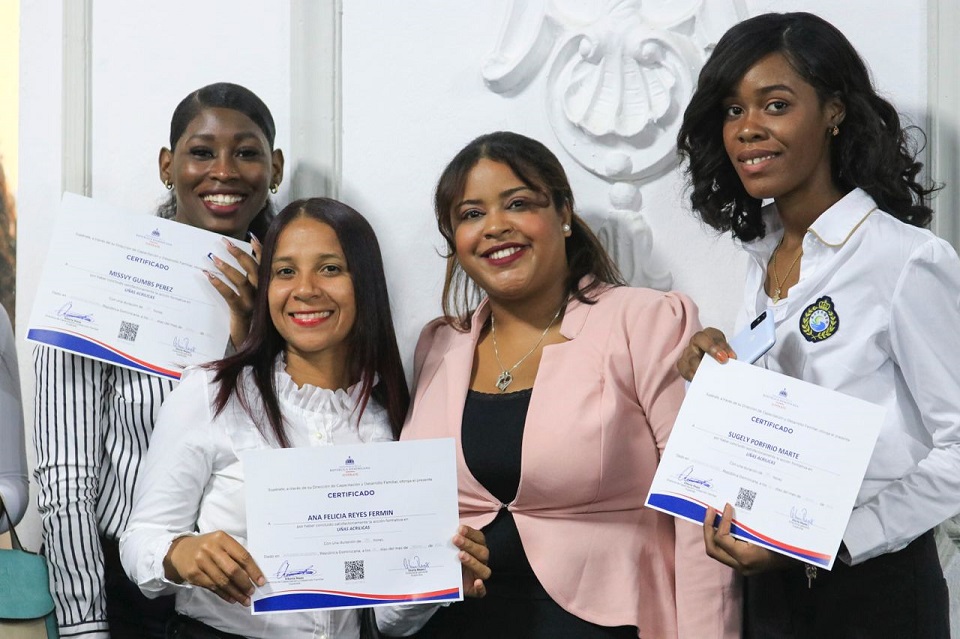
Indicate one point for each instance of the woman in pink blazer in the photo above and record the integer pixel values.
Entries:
(560, 390)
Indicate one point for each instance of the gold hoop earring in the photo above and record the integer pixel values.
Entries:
(835, 131)
(169, 185)
(274, 188)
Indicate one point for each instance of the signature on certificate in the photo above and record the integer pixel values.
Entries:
(66, 312)
(183, 345)
(800, 518)
(285, 571)
(413, 564)
(686, 476)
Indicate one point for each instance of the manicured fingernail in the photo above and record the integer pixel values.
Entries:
(722, 357)
(253, 237)
(261, 581)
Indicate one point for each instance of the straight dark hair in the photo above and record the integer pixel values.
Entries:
(871, 152)
(540, 170)
(374, 357)
(223, 95)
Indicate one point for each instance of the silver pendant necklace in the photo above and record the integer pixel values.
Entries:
(506, 378)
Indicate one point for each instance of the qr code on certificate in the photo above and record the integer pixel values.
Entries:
(745, 499)
(128, 331)
(353, 570)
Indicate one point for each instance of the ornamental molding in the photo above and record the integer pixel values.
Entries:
(619, 74)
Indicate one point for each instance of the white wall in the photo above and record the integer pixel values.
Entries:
(413, 95)
(147, 56)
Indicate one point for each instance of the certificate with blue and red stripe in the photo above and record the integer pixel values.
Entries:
(130, 290)
(353, 526)
(788, 455)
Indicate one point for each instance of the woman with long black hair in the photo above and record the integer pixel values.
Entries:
(865, 301)
(321, 367)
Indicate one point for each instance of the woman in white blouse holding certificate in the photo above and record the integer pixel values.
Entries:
(866, 302)
(321, 367)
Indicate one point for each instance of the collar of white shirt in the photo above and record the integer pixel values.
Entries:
(833, 228)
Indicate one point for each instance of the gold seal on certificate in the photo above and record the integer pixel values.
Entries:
(788, 455)
(353, 526)
(130, 290)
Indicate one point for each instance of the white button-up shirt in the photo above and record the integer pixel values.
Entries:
(888, 332)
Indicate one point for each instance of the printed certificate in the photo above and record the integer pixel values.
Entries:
(788, 455)
(129, 290)
(353, 526)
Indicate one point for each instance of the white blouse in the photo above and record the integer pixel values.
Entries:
(193, 482)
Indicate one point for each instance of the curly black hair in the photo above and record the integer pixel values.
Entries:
(873, 151)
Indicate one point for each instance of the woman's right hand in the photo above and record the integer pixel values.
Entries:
(708, 341)
(241, 300)
(215, 561)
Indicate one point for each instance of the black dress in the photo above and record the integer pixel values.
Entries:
(516, 604)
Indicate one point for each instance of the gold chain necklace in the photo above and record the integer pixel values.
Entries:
(786, 276)
(505, 378)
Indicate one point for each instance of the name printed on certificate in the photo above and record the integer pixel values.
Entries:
(353, 526)
(130, 290)
(790, 457)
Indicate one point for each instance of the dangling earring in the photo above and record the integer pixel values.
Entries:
(168, 184)
(835, 131)
(566, 229)
(274, 188)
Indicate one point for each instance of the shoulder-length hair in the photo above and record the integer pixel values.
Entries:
(374, 357)
(540, 170)
(223, 95)
(871, 151)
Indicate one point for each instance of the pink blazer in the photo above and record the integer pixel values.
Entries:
(600, 413)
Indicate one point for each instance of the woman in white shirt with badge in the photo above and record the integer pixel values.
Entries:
(320, 367)
(866, 302)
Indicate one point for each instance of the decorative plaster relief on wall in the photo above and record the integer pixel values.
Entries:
(620, 74)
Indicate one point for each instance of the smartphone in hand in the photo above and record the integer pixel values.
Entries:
(756, 339)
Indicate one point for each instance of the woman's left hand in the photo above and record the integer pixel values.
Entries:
(240, 301)
(745, 558)
(473, 555)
